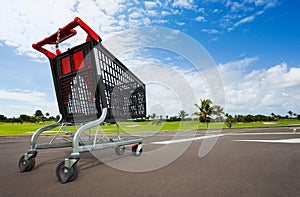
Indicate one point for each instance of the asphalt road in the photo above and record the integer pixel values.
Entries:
(236, 165)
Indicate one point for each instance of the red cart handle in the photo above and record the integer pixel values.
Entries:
(63, 34)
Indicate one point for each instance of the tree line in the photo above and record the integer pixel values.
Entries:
(207, 112)
(37, 117)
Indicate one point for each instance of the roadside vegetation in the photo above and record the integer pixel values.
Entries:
(13, 129)
(206, 116)
(37, 117)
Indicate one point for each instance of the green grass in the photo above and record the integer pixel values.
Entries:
(11, 129)
(281, 122)
(16, 129)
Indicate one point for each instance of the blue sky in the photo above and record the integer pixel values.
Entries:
(254, 44)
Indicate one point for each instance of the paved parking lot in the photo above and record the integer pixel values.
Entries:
(247, 162)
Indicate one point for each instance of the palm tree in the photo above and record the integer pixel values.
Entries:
(205, 110)
(290, 113)
(182, 114)
(228, 120)
(47, 115)
(218, 111)
(153, 116)
(160, 117)
(38, 115)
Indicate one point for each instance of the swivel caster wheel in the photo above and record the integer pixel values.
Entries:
(120, 150)
(64, 174)
(137, 150)
(26, 165)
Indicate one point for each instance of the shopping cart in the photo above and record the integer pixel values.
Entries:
(92, 87)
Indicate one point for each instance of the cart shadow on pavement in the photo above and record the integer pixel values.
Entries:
(100, 157)
(46, 163)
(87, 160)
(41, 161)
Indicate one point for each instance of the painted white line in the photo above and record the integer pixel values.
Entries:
(187, 139)
(269, 133)
(287, 141)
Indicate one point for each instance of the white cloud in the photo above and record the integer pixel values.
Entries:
(201, 10)
(271, 4)
(16, 102)
(210, 31)
(146, 21)
(160, 21)
(242, 12)
(180, 23)
(280, 76)
(24, 18)
(239, 63)
(25, 95)
(215, 11)
(235, 6)
(34, 20)
(152, 12)
(175, 12)
(214, 39)
(111, 7)
(266, 3)
(188, 4)
(150, 4)
(136, 15)
(245, 20)
(165, 13)
(266, 91)
(200, 19)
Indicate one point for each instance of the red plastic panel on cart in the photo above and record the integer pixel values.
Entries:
(65, 65)
(78, 60)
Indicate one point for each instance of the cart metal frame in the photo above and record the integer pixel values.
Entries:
(92, 87)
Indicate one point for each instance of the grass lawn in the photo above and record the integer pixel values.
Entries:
(13, 129)
(17, 128)
(281, 122)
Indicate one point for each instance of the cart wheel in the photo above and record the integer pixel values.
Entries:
(134, 150)
(65, 175)
(31, 164)
(26, 165)
(120, 150)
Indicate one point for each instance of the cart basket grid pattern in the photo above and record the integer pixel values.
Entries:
(88, 78)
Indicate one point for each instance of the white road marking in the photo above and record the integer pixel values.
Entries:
(265, 133)
(287, 141)
(187, 139)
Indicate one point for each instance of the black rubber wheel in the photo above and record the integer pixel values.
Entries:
(134, 150)
(67, 175)
(75, 173)
(26, 165)
(31, 164)
(120, 150)
(23, 164)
